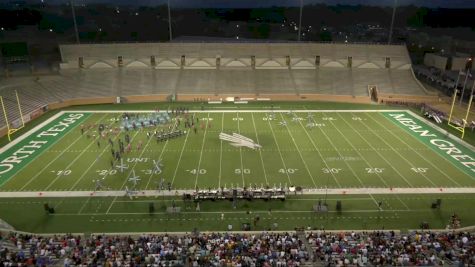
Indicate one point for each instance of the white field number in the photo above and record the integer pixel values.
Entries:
(288, 171)
(268, 119)
(206, 119)
(150, 172)
(242, 171)
(419, 170)
(330, 170)
(374, 170)
(356, 119)
(106, 172)
(197, 171)
(62, 172)
(132, 160)
(238, 119)
(328, 119)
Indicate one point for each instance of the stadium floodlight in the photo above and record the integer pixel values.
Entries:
(73, 12)
(467, 75)
(392, 23)
(169, 21)
(300, 19)
(16, 123)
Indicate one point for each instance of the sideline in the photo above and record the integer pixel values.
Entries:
(321, 191)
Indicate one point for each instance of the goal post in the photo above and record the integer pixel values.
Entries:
(458, 127)
(12, 130)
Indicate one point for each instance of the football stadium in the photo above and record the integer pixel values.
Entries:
(237, 154)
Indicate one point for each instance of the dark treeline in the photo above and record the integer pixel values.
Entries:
(105, 23)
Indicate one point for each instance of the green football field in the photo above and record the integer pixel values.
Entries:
(371, 153)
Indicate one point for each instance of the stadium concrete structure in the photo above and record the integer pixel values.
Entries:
(138, 72)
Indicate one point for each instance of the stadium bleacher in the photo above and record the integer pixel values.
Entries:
(215, 69)
(313, 248)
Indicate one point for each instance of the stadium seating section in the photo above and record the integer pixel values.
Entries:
(99, 73)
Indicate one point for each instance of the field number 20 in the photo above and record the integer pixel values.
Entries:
(374, 170)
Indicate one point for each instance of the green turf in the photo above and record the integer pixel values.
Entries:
(345, 150)
(86, 215)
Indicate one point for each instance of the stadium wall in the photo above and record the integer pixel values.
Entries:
(384, 98)
(85, 101)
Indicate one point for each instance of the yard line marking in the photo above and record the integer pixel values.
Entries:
(240, 154)
(83, 205)
(221, 153)
(201, 153)
(161, 153)
(280, 153)
(419, 191)
(181, 153)
(377, 152)
(300, 153)
(51, 162)
(240, 212)
(72, 162)
(432, 164)
(260, 150)
(90, 165)
(132, 169)
(346, 162)
(403, 203)
(397, 152)
(376, 202)
(319, 153)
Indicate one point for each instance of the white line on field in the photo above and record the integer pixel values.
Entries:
(221, 152)
(319, 153)
(240, 153)
(57, 157)
(201, 153)
(423, 158)
(181, 153)
(161, 153)
(377, 152)
(399, 154)
(260, 150)
(71, 164)
(83, 205)
(92, 164)
(300, 153)
(339, 154)
(280, 153)
(130, 172)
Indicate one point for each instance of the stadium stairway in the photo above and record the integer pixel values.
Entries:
(312, 260)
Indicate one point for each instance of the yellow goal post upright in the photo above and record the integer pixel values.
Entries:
(464, 121)
(12, 130)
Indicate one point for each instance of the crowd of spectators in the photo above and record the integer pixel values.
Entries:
(219, 249)
(391, 249)
(244, 249)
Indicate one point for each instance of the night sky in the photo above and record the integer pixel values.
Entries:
(268, 3)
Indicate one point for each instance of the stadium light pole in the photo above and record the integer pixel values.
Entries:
(169, 21)
(392, 23)
(300, 19)
(74, 20)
